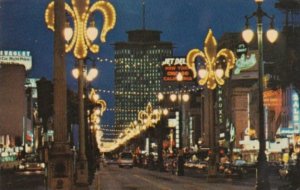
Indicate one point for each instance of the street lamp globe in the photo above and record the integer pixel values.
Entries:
(75, 73)
(185, 97)
(247, 35)
(93, 73)
(272, 35)
(220, 72)
(165, 111)
(92, 31)
(179, 77)
(173, 97)
(68, 32)
(202, 72)
(160, 96)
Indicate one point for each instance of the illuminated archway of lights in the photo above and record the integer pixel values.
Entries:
(146, 119)
(210, 57)
(81, 13)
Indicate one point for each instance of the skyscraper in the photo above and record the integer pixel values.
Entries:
(138, 73)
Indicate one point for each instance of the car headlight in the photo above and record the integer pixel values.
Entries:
(21, 167)
(27, 165)
(43, 165)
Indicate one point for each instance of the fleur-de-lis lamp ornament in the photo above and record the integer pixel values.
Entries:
(94, 97)
(81, 40)
(149, 116)
(212, 73)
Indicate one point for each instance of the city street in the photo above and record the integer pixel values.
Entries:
(114, 178)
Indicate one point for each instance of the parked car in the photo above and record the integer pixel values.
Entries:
(236, 168)
(125, 159)
(31, 163)
(202, 165)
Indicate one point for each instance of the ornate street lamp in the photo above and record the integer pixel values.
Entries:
(80, 40)
(211, 67)
(262, 181)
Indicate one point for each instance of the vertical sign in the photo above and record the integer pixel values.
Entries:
(177, 130)
(220, 106)
(295, 112)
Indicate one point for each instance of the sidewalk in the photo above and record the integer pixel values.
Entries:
(96, 182)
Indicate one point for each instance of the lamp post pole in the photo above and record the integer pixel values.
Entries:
(161, 132)
(262, 181)
(82, 167)
(180, 158)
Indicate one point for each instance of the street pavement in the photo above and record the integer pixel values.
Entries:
(114, 178)
(12, 180)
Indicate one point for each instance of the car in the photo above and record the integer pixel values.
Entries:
(125, 159)
(31, 163)
(202, 165)
(237, 168)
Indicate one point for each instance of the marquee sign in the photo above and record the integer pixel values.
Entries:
(172, 66)
(16, 57)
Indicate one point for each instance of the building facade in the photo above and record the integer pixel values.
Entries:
(138, 73)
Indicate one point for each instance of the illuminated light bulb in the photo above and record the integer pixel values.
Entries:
(248, 35)
(165, 111)
(92, 31)
(185, 97)
(173, 97)
(202, 72)
(75, 73)
(272, 35)
(68, 32)
(219, 72)
(259, 1)
(179, 77)
(160, 96)
(93, 73)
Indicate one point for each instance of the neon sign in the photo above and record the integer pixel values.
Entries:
(244, 63)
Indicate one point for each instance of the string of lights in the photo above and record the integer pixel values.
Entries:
(186, 90)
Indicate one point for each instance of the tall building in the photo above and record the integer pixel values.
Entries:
(138, 73)
(13, 104)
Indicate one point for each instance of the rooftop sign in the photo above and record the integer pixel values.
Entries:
(172, 66)
(16, 57)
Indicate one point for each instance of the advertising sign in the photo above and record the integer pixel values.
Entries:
(16, 57)
(172, 66)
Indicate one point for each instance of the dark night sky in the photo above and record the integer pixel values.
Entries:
(183, 22)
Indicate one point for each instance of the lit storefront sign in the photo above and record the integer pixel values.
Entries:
(295, 112)
(16, 57)
(273, 103)
(171, 67)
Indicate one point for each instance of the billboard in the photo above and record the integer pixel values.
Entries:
(16, 57)
(172, 66)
